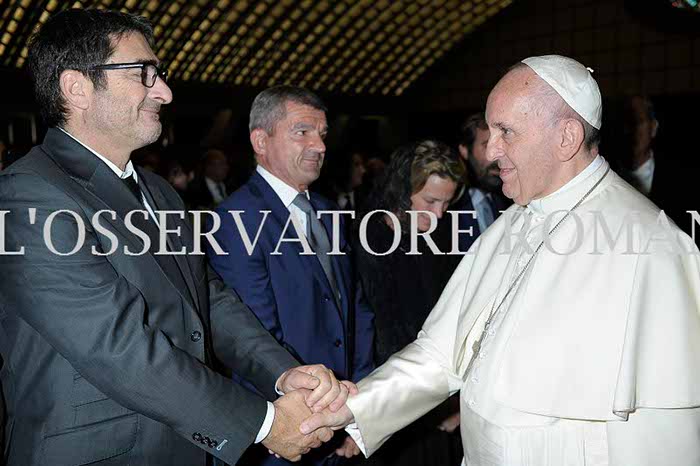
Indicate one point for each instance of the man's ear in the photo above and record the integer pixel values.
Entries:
(654, 127)
(258, 139)
(76, 89)
(463, 151)
(572, 137)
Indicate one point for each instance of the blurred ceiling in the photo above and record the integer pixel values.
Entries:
(344, 46)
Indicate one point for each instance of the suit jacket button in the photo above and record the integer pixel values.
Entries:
(338, 343)
(326, 298)
(214, 444)
(197, 437)
(196, 335)
(207, 440)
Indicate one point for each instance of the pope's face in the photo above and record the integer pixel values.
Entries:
(521, 137)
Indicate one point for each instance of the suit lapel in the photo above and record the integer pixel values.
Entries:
(156, 199)
(98, 179)
(281, 215)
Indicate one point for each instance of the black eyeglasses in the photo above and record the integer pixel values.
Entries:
(149, 71)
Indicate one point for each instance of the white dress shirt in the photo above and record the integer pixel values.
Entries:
(643, 176)
(286, 194)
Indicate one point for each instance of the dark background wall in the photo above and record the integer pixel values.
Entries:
(633, 46)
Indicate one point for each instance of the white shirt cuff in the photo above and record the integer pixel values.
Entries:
(267, 423)
(354, 432)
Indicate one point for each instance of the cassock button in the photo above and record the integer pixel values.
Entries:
(196, 335)
(338, 343)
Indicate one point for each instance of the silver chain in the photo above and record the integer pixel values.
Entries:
(494, 308)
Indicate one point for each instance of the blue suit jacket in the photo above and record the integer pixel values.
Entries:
(289, 292)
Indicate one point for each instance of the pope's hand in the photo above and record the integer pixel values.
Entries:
(348, 449)
(327, 392)
(327, 418)
(285, 438)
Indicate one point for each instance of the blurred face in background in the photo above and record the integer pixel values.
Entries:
(178, 178)
(487, 172)
(435, 197)
(216, 166)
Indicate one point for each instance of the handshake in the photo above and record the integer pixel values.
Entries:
(312, 408)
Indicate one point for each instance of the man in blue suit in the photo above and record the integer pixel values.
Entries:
(308, 300)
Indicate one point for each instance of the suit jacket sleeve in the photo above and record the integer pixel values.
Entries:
(248, 274)
(96, 319)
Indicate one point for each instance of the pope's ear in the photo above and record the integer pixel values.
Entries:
(76, 89)
(572, 135)
(258, 139)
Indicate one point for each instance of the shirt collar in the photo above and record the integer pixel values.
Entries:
(569, 194)
(285, 192)
(646, 169)
(126, 173)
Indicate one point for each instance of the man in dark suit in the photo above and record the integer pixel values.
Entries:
(309, 300)
(209, 189)
(108, 347)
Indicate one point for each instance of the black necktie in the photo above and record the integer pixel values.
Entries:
(133, 186)
(318, 239)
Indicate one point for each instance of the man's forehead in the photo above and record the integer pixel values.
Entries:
(132, 47)
(301, 113)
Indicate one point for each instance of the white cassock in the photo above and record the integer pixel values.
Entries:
(593, 359)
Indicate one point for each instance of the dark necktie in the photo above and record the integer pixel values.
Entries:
(318, 239)
(133, 186)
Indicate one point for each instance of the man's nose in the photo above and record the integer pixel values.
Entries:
(161, 92)
(317, 144)
(493, 149)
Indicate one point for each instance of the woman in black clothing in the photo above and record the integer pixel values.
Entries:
(402, 288)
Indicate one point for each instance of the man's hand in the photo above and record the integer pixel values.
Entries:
(285, 438)
(348, 449)
(327, 392)
(328, 418)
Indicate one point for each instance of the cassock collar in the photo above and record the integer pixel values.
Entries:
(569, 194)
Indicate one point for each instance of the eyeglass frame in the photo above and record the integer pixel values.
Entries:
(162, 74)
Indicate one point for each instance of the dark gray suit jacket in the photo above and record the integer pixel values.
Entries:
(108, 358)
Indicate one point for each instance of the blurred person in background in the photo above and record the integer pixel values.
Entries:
(484, 194)
(209, 188)
(402, 288)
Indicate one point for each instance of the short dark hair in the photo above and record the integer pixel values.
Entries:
(76, 40)
(467, 132)
(270, 106)
(409, 168)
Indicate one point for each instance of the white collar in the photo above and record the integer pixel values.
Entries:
(566, 197)
(126, 173)
(285, 192)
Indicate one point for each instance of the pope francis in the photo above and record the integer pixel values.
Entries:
(572, 327)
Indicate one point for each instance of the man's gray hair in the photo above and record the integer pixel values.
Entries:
(546, 96)
(270, 106)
